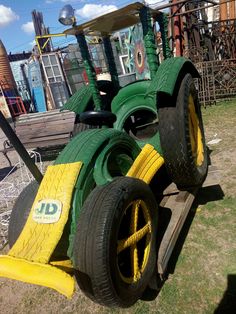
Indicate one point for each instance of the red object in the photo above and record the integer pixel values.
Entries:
(16, 106)
(177, 31)
(85, 76)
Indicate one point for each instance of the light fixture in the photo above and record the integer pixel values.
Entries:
(67, 15)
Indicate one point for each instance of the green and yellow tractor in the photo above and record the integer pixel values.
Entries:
(94, 217)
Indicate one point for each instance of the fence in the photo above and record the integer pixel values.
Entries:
(218, 80)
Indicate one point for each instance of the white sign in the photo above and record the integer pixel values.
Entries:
(47, 211)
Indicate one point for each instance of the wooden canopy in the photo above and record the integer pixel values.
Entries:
(111, 22)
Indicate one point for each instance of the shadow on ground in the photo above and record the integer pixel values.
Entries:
(228, 303)
(205, 195)
(5, 171)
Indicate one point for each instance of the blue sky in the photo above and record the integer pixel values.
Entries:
(16, 28)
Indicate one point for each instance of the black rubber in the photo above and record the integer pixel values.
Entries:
(175, 138)
(20, 211)
(80, 127)
(99, 118)
(95, 244)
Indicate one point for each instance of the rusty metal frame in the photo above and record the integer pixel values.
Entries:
(218, 80)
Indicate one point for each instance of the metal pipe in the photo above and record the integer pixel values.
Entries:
(19, 147)
(177, 30)
(168, 5)
(202, 7)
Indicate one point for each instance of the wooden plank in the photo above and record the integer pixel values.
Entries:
(28, 118)
(43, 114)
(213, 178)
(67, 122)
(44, 130)
(45, 119)
(179, 204)
(59, 115)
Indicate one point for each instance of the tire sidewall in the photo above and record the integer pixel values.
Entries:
(128, 293)
(175, 137)
(20, 211)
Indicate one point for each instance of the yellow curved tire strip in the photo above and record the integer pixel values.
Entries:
(39, 274)
(146, 165)
(37, 241)
(28, 259)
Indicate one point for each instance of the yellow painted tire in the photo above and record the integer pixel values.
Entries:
(115, 243)
(182, 136)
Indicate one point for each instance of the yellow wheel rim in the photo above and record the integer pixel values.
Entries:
(134, 241)
(195, 134)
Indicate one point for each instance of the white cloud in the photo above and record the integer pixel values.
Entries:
(94, 10)
(28, 28)
(7, 16)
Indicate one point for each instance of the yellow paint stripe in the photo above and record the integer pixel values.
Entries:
(37, 241)
(145, 166)
(39, 274)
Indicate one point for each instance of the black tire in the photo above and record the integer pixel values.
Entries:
(80, 127)
(104, 275)
(182, 137)
(20, 211)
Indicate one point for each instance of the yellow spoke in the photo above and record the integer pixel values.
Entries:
(134, 263)
(134, 238)
(134, 217)
(193, 136)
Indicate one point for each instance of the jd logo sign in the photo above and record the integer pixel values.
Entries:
(47, 211)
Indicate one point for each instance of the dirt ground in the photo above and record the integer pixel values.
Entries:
(220, 126)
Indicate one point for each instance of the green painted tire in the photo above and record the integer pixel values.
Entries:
(108, 271)
(137, 114)
(96, 149)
